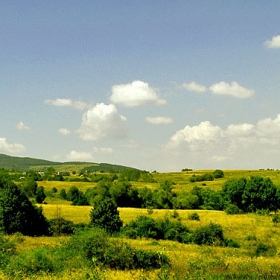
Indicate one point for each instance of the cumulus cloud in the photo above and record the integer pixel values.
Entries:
(234, 138)
(79, 156)
(102, 122)
(10, 148)
(62, 102)
(22, 126)
(240, 130)
(194, 87)
(232, 89)
(159, 120)
(135, 94)
(64, 131)
(274, 43)
(204, 132)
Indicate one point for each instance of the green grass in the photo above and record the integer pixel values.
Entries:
(189, 261)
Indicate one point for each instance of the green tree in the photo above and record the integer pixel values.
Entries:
(186, 200)
(218, 174)
(17, 214)
(40, 195)
(233, 190)
(105, 215)
(29, 186)
(252, 194)
(260, 193)
(63, 194)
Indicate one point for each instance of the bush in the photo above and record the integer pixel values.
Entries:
(265, 250)
(232, 243)
(211, 234)
(95, 247)
(232, 209)
(218, 174)
(142, 227)
(276, 219)
(60, 226)
(194, 217)
(149, 260)
(162, 229)
(63, 194)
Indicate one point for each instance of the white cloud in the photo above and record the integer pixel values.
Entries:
(269, 130)
(274, 43)
(64, 131)
(102, 122)
(244, 144)
(79, 156)
(135, 94)
(159, 120)
(240, 130)
(22, 126)
(232, 89)
(62, 102)
(10, 148)
(194, 87)
(204, 132)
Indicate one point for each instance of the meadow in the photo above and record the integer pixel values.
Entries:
(188, 261)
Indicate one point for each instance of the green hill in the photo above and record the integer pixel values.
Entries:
(26, 163)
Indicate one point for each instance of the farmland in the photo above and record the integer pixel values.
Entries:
(188, 261)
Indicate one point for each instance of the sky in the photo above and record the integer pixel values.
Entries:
(156, 85)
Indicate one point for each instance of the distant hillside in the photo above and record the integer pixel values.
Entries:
(25, 163)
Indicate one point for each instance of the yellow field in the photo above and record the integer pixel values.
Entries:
(236, 227)
(187, 259)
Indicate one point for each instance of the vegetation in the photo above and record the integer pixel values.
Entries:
(17, 214)
(138, 225)
(106, 215)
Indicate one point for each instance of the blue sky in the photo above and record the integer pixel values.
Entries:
(157, 85)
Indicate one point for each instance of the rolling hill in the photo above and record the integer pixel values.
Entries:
(26, 163)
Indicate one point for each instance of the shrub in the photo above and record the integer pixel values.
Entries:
(232, 209)
(54, 190)
(95, 247)
(232, 243)
(142, 227)
(218, 174)
(211, 234)
(276, 219)
(63, 194)
(265, 250)
(194, 217)
(60, 226)
(162, 229)
(149, 260)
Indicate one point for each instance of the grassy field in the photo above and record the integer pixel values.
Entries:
(181, 180)
(189, 261)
